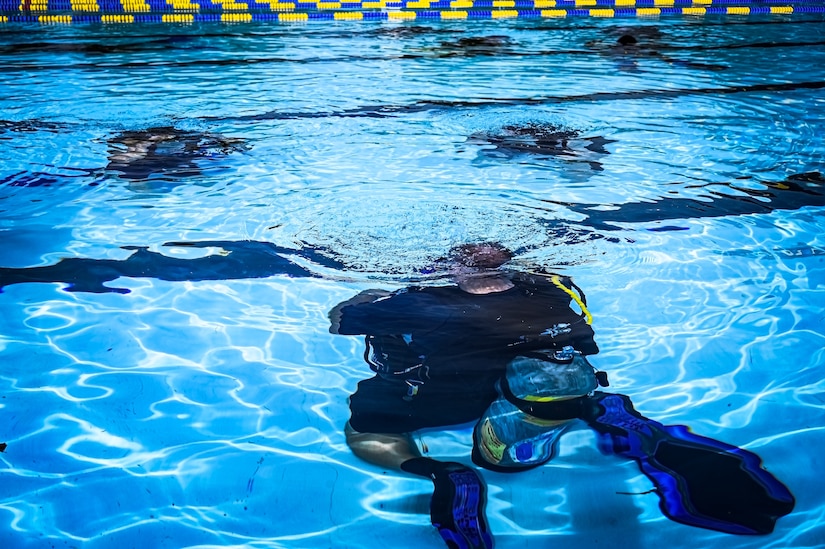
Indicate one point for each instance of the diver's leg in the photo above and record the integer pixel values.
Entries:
(459, 496)
(383, 413)
(389, 450)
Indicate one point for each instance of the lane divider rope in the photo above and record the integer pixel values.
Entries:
(230, 11)
(206, 6)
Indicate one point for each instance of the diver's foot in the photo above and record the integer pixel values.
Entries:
(457, 508)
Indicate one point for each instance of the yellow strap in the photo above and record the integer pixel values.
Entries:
(491, 442)
(535, 398)
(574, 296)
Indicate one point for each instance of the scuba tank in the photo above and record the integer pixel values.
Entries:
(538, 396)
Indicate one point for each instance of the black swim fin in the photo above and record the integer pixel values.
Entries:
(700, 481)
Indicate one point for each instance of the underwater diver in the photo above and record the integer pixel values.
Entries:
(231, 261)
(107, 45)
(139, 157)
(166, 150)
(542, 141)
(506, 350)
(475, 46)
(635, 43)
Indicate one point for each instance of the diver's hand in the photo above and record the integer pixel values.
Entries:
(367, 296)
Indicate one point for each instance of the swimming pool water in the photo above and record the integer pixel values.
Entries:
(205, 406)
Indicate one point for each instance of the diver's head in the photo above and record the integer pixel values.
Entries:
(481, 255)
(475, 267)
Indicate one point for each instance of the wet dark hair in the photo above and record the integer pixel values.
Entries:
(483, 255)
(627, 40)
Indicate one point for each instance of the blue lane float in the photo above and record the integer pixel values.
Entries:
(231, 11)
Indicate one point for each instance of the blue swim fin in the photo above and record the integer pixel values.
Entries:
(457, 508)
(457, 505)
(700, 481)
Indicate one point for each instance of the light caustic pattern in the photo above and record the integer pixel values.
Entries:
(205, 407)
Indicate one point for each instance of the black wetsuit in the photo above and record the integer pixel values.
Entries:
(438, 352)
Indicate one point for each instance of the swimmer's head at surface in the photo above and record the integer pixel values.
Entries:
(627, 40)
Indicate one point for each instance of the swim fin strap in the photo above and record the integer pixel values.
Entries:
(700, 481)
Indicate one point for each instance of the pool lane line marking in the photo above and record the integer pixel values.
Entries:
(431, 55)
(377, 111)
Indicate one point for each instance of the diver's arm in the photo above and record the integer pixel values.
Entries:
(378, 312)
(336, 314)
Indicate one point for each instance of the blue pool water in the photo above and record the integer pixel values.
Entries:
(193, 401)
